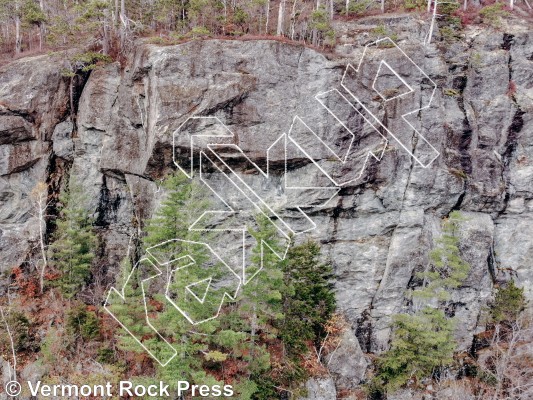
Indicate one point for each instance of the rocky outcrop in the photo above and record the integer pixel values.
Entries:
(33, 100)
(377, 232)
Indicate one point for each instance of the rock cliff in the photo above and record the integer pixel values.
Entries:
(115, 136)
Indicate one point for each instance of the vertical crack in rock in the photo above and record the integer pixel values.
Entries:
(514, 130)
(459, 84)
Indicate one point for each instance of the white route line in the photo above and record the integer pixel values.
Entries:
(417, 109)
(225, 296)
(122, 296)
(383, 62)
(223, 137)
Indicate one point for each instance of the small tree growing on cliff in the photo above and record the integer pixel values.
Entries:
(74, 241)
(423, 342)
(39, 195)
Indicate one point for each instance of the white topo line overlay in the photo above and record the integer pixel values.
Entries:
(214, 136)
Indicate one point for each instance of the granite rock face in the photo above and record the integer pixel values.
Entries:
(377, 231)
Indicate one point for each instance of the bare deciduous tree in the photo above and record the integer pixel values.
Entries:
(39, 196)
(18, 38)
(13, 352)
(512, 359)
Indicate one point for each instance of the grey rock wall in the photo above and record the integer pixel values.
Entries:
(377, 232)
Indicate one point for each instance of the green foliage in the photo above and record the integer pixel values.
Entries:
(131, 313)
(508, 304)
(414, 4)
(184, 202)
(49, 346)
(260, 301)
(32, 13)
(447, 9)
(240, 16)
(321, 23)
(309, 302)
(19, 328)
(359, 7)
(105, 355)
(85, 62)
(448, 270)
(382, 31)
(74, 243)
(198, 32)
(82, 322)
(423, 342)
(493, 14)
(283, 306)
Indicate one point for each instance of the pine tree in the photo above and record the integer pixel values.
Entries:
(508, 304)
(74, 242)
(261, 297)
(238, 343)
(423, 342)
(185, 201)
(309, 301)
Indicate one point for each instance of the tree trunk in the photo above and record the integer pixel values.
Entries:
(331, 10)
(432, 25)
(13, 352)
(40, 196)
(267, 16)
(71, 98)
(124, 24)
(293, 19)
(42, 27)
(117, 19)
(279, 31)
(347, 6)
(465, 5)
(18, 40)
(105, 44)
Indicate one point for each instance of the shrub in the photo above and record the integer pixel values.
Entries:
(82, 322)
(19, 328)
(105, 355)
(199, 32)
(508, 304)
(359, 7)
(414, 4)
(451, 92)
(492, 14)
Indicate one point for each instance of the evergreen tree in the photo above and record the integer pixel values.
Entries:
(508, 304)
(240, 345)
(423, 342)
(309, 301)
(260, 302)
(74, 242)
(184, 202)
